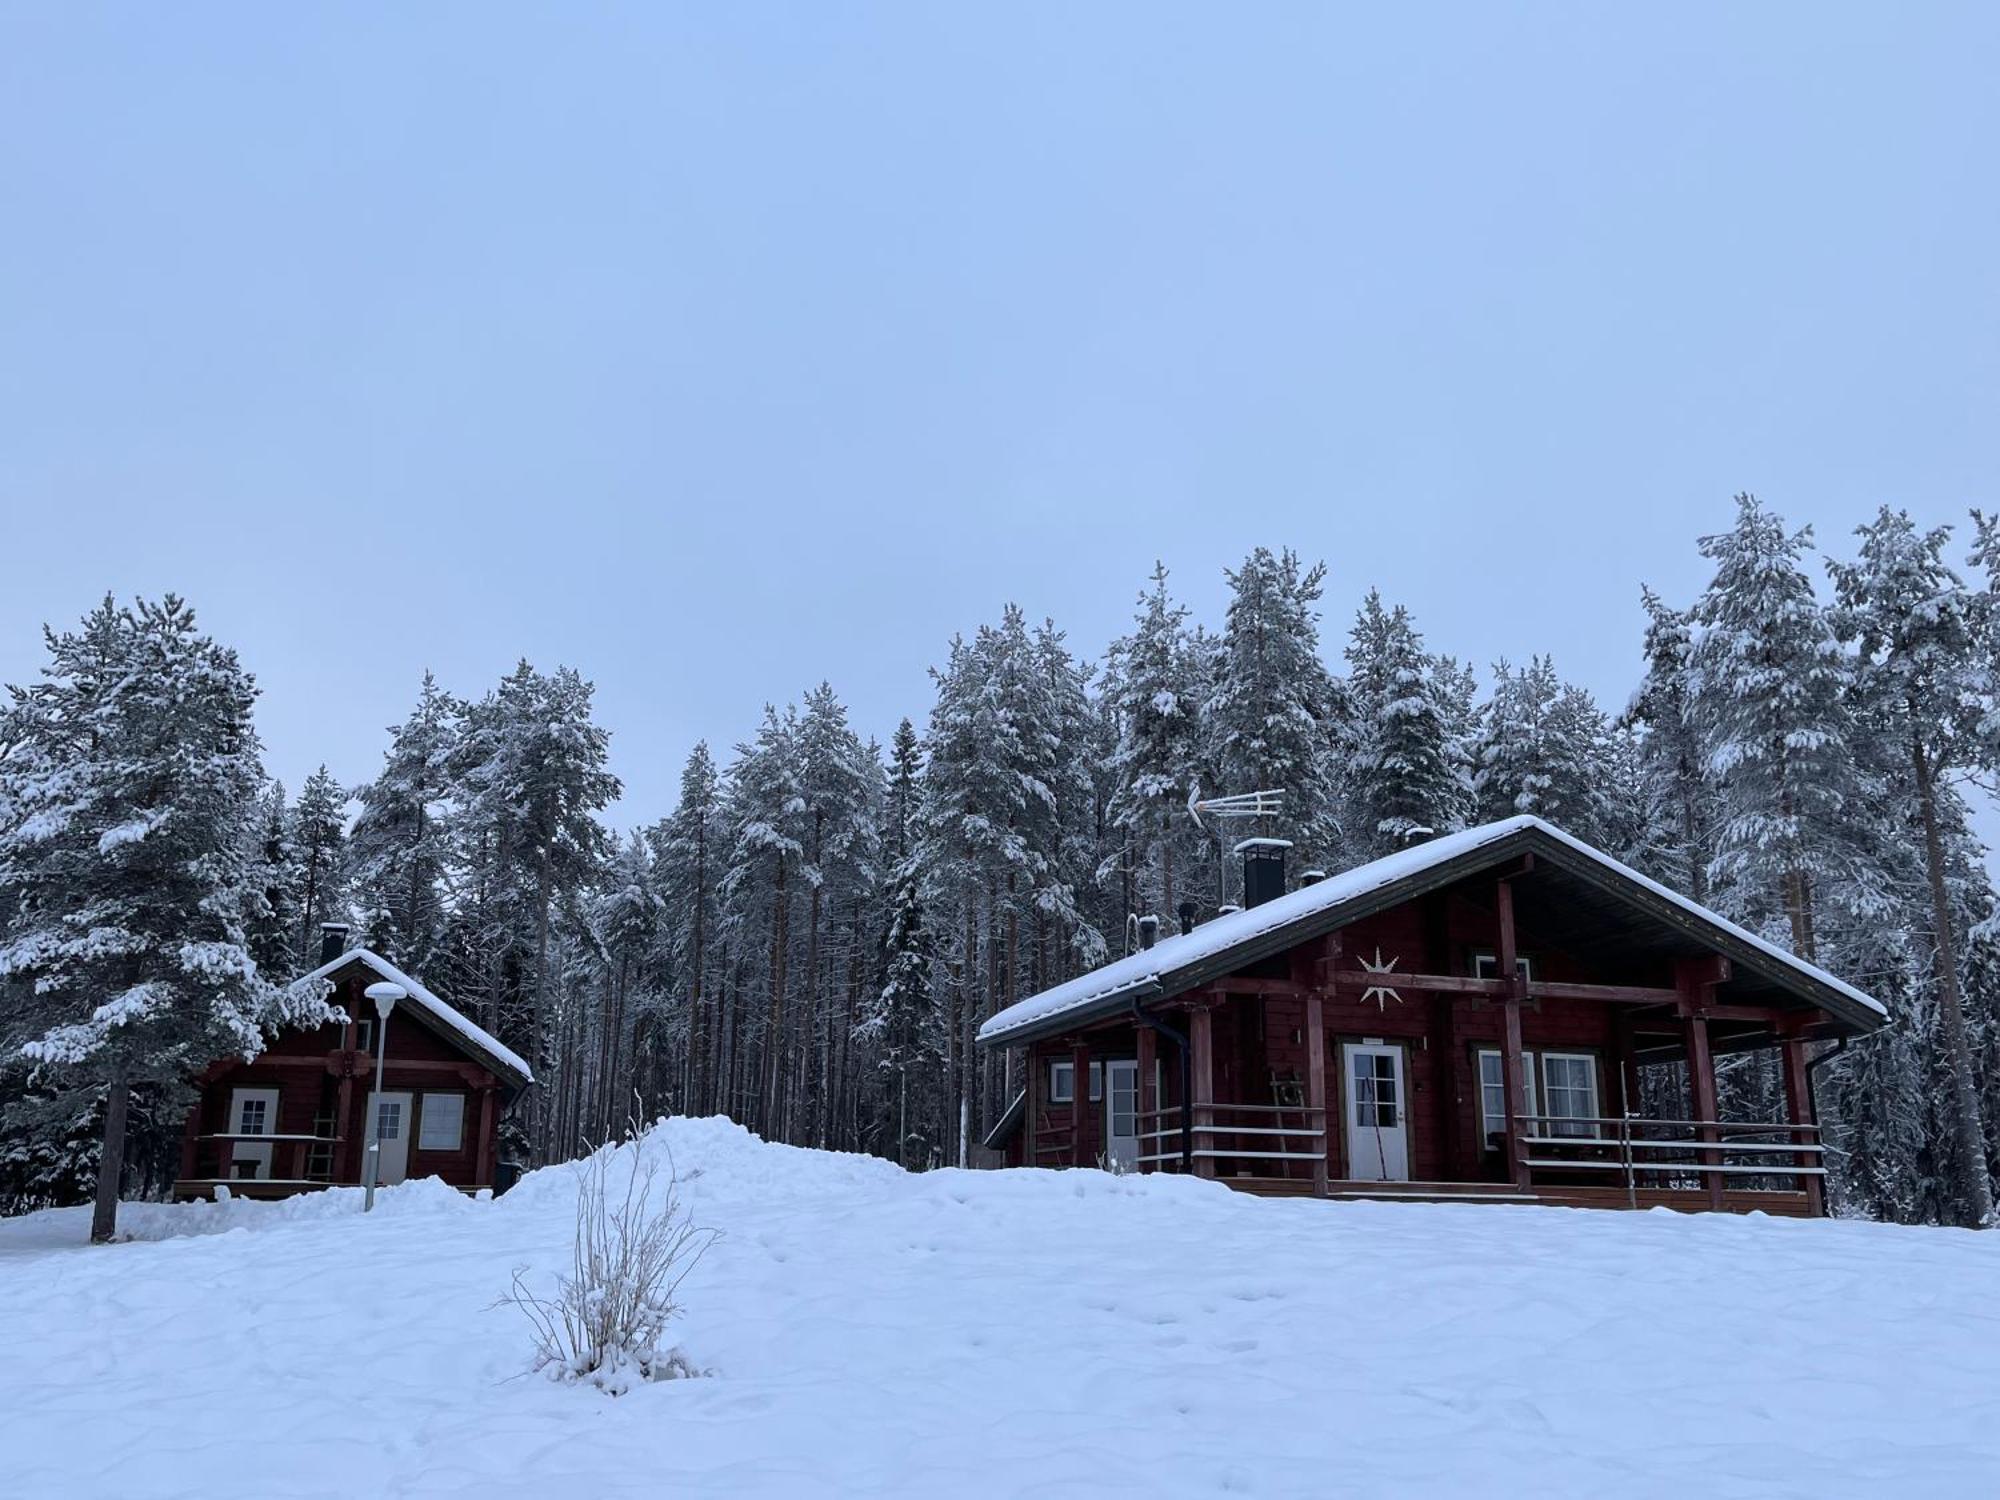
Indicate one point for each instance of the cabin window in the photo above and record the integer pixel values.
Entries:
(1566, 1080)
(1493, 1092)
(441, 1127)
(1062, 1082)
(1569, 1084)
(388, 1119)
(1487, 966)
(254, 1116)
(364, 1035)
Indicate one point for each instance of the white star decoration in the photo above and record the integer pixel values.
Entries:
(1381, 994)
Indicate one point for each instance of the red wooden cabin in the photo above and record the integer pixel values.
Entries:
(1464, 1019)
(294, 1118)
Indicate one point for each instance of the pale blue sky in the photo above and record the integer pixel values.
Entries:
(717, 351)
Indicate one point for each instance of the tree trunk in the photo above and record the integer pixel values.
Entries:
(111, 1165)
(774, 1026)
(1975, 1182)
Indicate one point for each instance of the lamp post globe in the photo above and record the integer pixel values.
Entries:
(385, 995)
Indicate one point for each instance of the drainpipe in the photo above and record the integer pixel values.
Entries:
(1180, 1040)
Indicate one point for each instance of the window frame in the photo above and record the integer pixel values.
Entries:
(424, 1099)
(1575, 1129)
(1530, 1081)
(1065, 1093)
(1486, 965)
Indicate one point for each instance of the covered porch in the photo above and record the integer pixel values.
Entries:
(1422, 1051)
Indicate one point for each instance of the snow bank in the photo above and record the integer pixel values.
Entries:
(999, 1334)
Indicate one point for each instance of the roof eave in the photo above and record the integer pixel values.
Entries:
(1529, 839)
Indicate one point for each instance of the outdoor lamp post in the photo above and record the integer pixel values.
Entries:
(385, 996)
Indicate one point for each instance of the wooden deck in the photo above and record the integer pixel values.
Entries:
(1794, 1205)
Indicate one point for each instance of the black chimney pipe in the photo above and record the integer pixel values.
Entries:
(1263, 869)
(332, 941)
(1149, 931)
(1186, 914)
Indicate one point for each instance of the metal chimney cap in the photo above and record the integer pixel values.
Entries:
(1277, 844)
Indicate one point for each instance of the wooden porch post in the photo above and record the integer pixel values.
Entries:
(191, 1134)
(1316, 1085)
(1079, 1097)
(1147, 1102)
(1511, 1063)
(1031, 1111)
(1696, 981)
(1798, 1099)
(482, 1172)
(1201, 1039)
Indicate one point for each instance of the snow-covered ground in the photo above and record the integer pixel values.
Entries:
(1013, 1333)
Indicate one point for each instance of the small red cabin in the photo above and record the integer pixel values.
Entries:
(1464, 1019)
(293, 1119)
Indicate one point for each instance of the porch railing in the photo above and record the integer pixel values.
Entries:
(1714, 1153)
(1274, 1133)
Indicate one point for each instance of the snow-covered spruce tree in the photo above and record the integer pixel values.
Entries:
(1925, 675)
(1768, 698)
(624, 919)
(1274, 711)
(400, 849)
(1544, 748)
(1401, 776)
(1677, 796)
(319, 840)
(1156, 696)
(904, 1029)
(271, 916)
(130, 776)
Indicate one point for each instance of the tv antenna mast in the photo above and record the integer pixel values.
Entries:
(1265, 804)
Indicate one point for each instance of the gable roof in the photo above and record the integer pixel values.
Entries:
(475, 1039)
(1226, 943)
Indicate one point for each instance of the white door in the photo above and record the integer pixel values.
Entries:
(251, 1112)
(1121, 1115)
(392, 1121)
(1378, 1130)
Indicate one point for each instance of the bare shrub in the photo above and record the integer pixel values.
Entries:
(635, 1244)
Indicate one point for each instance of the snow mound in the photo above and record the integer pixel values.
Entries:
(875, 1332)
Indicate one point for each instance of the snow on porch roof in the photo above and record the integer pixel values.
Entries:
(476, 1037)
(1196, 954)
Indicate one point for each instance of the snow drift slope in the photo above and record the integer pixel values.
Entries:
(1019, 1333)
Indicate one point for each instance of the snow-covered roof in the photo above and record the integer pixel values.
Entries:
(453, 1020)
(1195, 954)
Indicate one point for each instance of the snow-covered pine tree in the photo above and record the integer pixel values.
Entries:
(400, 849)
(1274, 711)
(531, 764)
(1156, 698)
(625, 919)
(1768, 697)
(1401, 777)
(688, 856)
(130, 778)
(319, 837)
(768, 831)
(1924, 674)
(840, 780)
